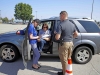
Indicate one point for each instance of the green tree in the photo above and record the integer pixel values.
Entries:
(5, 20)
(23, 11)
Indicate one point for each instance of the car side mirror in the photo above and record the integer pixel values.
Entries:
(20, 32)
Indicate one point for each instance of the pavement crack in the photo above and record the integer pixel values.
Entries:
(93, 68)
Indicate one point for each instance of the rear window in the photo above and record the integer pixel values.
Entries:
(90, 26)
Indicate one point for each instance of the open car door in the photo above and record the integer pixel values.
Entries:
(26, 54)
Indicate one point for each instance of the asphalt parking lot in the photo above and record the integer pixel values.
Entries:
(50, 65)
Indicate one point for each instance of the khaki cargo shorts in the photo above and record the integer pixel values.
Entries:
(66, 49)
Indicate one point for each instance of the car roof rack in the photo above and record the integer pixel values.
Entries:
(87, 18)
(58, 18)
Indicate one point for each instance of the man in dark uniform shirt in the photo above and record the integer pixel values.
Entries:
(65, 33)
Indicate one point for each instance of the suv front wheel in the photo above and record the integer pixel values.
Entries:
(8, 53)
(82, 55)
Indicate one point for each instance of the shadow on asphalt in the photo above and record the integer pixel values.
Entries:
(45, 68)
(10, 68)
(14, 67)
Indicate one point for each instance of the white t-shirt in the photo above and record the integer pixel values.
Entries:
(45, 34)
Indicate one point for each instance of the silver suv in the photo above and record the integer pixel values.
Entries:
(85, 45)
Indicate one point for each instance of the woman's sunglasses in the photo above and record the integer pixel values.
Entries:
(45, 27)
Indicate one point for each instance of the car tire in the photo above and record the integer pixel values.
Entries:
(82, 55)
(9, 53)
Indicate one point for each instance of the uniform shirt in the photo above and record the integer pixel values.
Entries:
(66, 29)
(45, 34)
(32, 30)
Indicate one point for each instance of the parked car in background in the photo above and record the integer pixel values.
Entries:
(85, 45)
(0, 21)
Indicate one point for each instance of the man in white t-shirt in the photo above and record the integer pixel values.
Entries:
(45, 35)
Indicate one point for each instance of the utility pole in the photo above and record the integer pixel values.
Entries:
(36, 14)
(0, 14)
(41, 17)
(92, 9)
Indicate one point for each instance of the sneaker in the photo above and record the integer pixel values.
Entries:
(60, 73)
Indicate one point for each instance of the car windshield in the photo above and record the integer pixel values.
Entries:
(24, 29)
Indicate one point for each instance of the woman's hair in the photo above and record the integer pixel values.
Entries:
(45, 24)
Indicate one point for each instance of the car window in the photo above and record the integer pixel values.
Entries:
(49, 23)
(75, 25)
(90, 26)
(24, 29)
(58, 22)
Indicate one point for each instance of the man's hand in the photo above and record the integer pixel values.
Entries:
(75, 34)
(38, 37)
(38, 40)
(57, 36)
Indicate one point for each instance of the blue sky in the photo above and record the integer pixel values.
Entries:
(50, 8)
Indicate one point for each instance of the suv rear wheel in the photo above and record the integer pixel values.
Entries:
(8, 53)
(82, 55)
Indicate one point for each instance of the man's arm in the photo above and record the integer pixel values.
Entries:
(57, 36)
(58, 32)
(75, 34)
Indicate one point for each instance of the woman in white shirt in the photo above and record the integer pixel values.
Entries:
(45, 35)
